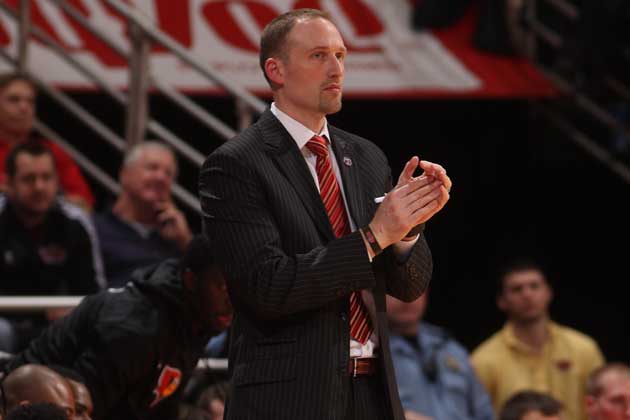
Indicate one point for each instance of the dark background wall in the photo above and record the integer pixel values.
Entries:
(520, 188)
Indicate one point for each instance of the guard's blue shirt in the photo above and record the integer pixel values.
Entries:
(455, 394)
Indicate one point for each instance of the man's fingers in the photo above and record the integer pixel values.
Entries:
(407, 173)
(437, 171)
(416, 190)
(421, 197)
(413, 185)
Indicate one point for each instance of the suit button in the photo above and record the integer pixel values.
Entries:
(343, 316)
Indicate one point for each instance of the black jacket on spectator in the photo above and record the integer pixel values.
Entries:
(59, 257)
(135, 346)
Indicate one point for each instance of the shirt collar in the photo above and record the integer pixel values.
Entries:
(513, 342)
(298, 131)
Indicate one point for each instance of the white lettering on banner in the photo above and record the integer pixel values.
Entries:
(385, 54)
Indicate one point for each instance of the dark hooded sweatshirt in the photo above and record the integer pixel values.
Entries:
(134, 346)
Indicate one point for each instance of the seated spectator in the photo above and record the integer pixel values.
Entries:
(144, 226)
(531, 405)
(37, 384)
(608, 393)
(37, 411)
(17, 115)
(136, 347)
(532, 352)
(435, 379)
(48, 246)
(83, 405)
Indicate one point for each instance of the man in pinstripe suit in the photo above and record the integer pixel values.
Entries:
(293, 265)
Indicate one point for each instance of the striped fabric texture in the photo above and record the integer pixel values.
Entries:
(360, 326)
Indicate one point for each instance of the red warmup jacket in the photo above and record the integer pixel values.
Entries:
(71, 179)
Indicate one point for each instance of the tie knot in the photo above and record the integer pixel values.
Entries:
(318, 145)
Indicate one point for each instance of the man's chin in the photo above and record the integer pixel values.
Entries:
(528, 319)
(331, 107)
(36, 210)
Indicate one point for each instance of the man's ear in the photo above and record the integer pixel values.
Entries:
(275, 70)
(190, 280)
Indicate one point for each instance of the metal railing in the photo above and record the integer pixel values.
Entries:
(143, 34)
(37, 303)
(540, 34)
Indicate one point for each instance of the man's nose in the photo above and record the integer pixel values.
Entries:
(25, 106)
(40, 184)
(336, 67)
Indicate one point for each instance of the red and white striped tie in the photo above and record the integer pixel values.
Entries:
(360, 326)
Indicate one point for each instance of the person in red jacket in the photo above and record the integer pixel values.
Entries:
(17, 115)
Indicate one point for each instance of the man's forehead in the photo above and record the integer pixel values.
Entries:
(25, 161)
(18, 87)
(157, 154)
(306, 34)
(524, 276)
(617, 382)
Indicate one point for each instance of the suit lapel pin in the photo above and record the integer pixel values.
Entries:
(347, 161)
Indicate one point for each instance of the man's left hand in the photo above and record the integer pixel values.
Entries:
(432, 171)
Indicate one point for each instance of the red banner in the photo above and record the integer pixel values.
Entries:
(386, 57)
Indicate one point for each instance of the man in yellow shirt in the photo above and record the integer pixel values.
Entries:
(532, 352)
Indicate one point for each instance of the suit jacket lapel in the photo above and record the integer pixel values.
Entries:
(348, 163)
(290, 162)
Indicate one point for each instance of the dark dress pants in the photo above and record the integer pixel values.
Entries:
(367, 399)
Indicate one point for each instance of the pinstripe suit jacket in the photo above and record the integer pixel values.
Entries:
(288, 276)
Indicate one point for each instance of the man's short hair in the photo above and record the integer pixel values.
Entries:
(30, 147)
(198, 256)
(524, 402)
(273, 41)
(517, 265)
(136, 151)
(595, 383)
(37, 411)
(7, 78)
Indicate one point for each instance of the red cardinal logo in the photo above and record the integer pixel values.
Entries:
(167, 384)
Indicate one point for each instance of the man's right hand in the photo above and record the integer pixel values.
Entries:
(413, 200)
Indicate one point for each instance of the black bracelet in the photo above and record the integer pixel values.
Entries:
(415, 231)
(369, 236)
